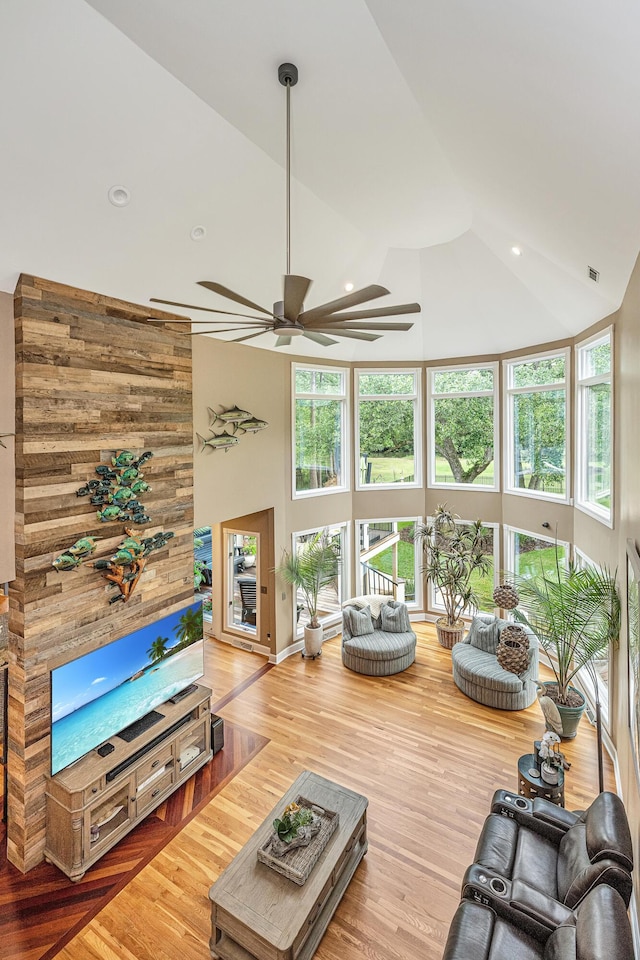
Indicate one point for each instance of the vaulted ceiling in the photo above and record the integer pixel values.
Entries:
(428, 139)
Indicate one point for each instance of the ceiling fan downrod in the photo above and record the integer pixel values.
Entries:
(288, 77)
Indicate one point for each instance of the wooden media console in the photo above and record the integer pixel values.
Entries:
(93, 803)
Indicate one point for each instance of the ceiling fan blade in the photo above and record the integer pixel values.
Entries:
(391, 311)
(283, 341)
(231, 295)
(200, 333)
(260, 333)
(192, 306)
(319, 338)
(350, 300)
(295, 290)
(356, 335)
(332, 326)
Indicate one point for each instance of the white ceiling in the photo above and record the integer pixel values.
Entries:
(428, 138)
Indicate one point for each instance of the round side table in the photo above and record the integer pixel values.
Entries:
(532, 786)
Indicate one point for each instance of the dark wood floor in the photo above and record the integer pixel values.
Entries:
(426, 756)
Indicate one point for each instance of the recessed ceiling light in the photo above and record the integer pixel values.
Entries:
(348, 287)
(516, 251)
(119, 196)
(198, 233)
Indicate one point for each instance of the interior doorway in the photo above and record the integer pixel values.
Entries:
(242, 581)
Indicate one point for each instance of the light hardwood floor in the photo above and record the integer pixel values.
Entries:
(427, 758)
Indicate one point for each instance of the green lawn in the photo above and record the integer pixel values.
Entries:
(399, 469)
(531, 563)
(444, 474)
(391, 469)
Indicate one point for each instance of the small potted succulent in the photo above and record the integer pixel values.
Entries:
(294, 829)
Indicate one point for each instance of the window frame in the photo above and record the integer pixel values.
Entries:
(411, 604)
(508, 419)
(582, 384)
(509, 552)
(431, 447)
(417, 423)
(345, 452)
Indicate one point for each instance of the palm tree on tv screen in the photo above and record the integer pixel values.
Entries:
(189, 628)
(158, 649)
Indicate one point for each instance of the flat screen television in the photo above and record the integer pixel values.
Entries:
(105, 692)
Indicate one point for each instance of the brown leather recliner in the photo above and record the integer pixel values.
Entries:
(536, 846)
(597, 929)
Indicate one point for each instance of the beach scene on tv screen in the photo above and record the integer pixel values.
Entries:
(101, 693)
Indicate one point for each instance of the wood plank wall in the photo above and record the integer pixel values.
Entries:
(92, 378)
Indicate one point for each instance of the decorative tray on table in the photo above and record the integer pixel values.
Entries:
(298, 860)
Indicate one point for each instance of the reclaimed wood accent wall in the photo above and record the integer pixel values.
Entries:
(92, 378)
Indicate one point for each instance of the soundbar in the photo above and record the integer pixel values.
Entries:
(120, 767)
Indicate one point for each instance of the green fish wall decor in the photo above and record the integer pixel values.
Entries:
(232, 415)
(221, 441)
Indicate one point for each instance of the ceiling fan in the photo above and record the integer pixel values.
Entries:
(288, 318)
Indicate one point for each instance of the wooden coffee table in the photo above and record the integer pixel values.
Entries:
(258, 914)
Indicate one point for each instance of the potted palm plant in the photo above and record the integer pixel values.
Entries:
(575, 613)
(311, 569)
(452, 553)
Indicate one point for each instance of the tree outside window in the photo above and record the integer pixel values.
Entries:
(387, 427)
(537, 418)
(319, 441)
(463, 427)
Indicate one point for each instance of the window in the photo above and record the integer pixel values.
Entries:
(319, 445)
(537, 426)
(389, 562)
(528, 554)
(242, 579)
(330, 597)
(600, 674)
(387, 428)
(481, 585)
(463, 434)
(202, 568)
(594, 428)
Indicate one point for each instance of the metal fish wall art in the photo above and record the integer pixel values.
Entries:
(115, 491)
(232, 415)
(240, 421)
(124, 568)
(218, 441)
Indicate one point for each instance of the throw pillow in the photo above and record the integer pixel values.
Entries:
(484, 635)
(394, 617)
(358, 622)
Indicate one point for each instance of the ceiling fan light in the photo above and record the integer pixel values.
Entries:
(119, 196)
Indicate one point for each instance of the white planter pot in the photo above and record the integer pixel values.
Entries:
(313, 641)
